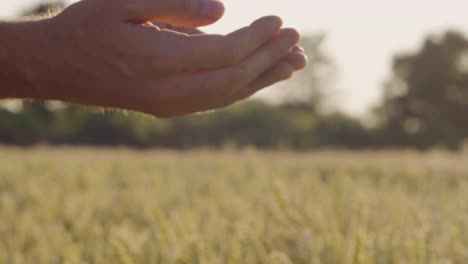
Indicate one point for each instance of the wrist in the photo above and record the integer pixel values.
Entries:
(22, 57)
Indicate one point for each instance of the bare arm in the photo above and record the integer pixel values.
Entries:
(18, 58)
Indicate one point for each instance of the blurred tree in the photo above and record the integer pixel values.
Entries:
(425, 102)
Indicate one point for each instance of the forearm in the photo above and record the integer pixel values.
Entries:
(19, 59)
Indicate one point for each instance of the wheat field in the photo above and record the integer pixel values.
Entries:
(84, 205)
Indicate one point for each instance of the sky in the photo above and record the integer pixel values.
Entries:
(362, 35)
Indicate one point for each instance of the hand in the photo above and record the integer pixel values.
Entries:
(105, 53)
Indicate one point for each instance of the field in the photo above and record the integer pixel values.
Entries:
(65, 205)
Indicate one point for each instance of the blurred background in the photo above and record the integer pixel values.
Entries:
(381, 74)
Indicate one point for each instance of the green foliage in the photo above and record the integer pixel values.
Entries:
(120, 206)
(250, 123)
(426, 100)
(338, 130)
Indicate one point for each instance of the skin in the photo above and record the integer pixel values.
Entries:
(144, 55)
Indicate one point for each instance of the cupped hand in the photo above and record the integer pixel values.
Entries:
(108, 53)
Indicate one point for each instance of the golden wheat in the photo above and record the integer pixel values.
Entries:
(121, 206)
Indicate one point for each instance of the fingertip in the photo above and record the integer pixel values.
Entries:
(276, 20)
(297, 60)
(272, 23)
(291, 34)
(300, 57)
(213, 10)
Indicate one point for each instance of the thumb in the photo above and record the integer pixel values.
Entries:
(186, 13)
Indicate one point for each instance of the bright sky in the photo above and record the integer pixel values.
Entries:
(362, 35)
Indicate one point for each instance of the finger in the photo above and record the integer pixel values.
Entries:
(296, 59)
(207, 90)
(183, 53)
(207, 52)
(187, 13)
(283, 70)
(269, 54)
(205, 101)
(280, 72)
(215, 87)
(225, 81)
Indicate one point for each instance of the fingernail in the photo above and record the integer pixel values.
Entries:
(212, 9)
